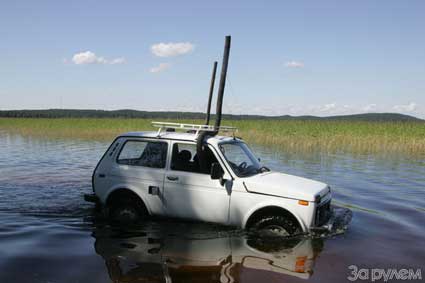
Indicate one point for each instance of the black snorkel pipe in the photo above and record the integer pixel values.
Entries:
(203, 134)
(222, 83)
(207, 119)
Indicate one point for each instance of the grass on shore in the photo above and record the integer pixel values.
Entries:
(293, 135)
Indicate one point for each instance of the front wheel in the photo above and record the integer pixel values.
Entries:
(127, 212)
(276, 226)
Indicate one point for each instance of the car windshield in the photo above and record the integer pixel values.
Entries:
(241, 159)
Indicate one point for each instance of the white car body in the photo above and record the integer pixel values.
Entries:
(196, 196)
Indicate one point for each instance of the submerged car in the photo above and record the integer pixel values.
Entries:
(164, 173)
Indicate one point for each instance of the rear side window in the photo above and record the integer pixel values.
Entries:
(184, 158)
(151, 154)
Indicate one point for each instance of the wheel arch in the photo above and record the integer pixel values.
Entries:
(271, 209)
(126, 192)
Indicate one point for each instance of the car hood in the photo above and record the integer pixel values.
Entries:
(284, 185)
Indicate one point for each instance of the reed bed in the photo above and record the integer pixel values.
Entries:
(290, 135)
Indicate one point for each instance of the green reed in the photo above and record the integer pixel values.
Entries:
(290, 135)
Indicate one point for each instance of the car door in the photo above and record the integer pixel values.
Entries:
(190, 193)
(140, 167)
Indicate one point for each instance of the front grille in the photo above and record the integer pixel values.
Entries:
(323, 213)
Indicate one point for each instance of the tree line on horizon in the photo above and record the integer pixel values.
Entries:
(131, 114)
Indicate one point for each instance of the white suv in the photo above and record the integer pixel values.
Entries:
(159, 174)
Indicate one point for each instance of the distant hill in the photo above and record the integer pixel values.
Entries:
(375, 117)
(127, 113)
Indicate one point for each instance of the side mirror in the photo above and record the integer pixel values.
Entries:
(216, 171)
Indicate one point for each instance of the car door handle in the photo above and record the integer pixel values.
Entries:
(173, 178)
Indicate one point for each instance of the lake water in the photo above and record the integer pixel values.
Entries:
(49, 234)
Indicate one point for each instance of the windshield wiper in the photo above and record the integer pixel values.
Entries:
(263, 169)
(253, 172)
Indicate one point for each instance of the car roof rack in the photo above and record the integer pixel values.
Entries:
(192, 127)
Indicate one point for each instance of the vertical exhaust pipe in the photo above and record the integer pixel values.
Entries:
(222, 82)
(207, 120)
(203, 134)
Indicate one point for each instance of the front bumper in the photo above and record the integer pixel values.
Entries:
(338, 221)
(92, 198)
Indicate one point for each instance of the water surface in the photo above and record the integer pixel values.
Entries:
(49, 234)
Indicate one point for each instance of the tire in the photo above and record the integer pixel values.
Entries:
(127, 211)
(276, 226)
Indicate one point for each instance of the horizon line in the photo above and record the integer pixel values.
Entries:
(229, 114)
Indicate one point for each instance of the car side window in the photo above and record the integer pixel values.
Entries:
(151, 154)
(185, 158)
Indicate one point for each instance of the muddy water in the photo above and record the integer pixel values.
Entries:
(49, 234)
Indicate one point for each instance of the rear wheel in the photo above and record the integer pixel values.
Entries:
(276, 226)
(127, 211)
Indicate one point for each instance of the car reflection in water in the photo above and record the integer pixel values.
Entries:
(163, 257)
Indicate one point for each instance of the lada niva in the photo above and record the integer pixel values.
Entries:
(161, 174)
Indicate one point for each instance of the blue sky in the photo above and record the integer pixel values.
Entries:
(287, 57)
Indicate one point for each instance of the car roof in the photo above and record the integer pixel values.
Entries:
(174, 136)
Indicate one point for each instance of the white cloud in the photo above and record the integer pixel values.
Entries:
(327, 107)
(411, 107)
(160, 68)
(115, 61)
(370, 107)
(294, 64)
(172, 49)
(89, 57)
